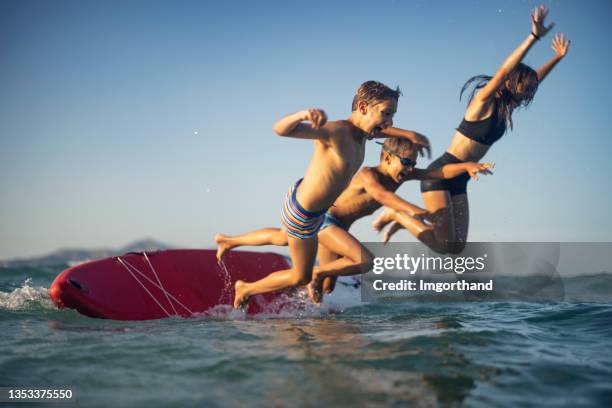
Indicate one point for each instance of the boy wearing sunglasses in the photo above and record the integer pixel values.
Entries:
(339, 252)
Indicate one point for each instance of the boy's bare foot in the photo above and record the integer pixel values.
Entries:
(240, 298)
(315, 289)
(383, 219)
(396, 226)
(223, 246)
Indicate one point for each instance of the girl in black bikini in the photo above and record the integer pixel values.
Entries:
(488, 115)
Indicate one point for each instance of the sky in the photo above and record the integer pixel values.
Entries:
(121, 120)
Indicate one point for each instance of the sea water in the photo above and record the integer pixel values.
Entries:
(401, 353)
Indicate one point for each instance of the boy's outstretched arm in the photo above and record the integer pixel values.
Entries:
(386, 197)
(292, 126)
(419, 140)
(560, 46)
(453, 170)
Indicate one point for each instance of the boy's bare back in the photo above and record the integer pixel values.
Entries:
(356, 202)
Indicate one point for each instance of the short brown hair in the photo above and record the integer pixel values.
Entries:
(373, 93)
(397, 145)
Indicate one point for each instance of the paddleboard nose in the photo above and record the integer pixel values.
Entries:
(55, 291)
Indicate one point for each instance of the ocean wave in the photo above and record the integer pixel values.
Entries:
(26, 297)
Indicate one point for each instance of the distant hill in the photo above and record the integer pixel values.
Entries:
(76, 255)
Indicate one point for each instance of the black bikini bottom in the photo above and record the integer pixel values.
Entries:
(455, 186)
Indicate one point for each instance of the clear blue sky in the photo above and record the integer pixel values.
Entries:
(101, 102)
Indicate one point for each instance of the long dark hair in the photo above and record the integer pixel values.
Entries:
(519, 87)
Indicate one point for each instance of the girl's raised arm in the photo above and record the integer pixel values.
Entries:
(538, 29)
(560, 45)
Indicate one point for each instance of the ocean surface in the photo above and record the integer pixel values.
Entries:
(399, 353)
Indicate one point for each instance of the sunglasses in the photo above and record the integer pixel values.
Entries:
(406, 162)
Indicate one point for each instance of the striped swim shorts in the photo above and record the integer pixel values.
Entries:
(300, 223)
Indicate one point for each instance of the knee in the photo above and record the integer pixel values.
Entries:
(367, 261)
(299, 280)
(391, 213)
(280, 239)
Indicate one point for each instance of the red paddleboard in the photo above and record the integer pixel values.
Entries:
(154, 285)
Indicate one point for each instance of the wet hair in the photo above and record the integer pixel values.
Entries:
(398, 145)
(373, 93)
(519, 86)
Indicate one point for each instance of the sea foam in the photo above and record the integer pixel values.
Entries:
(25, 297)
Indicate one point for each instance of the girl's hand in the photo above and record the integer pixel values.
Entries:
(537, 22)
(474, 168)
(560, 45)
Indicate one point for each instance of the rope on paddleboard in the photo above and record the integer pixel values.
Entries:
(159, 281)
(143, 286)
(129, 266)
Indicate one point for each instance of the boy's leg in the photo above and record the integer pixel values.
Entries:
(393, 228)
(385, 217)
(301, 228)
(420, 230)
(326, 256)
(438, 235)
(354, 258)
(414, 225)
(303, 253)
(264, 236)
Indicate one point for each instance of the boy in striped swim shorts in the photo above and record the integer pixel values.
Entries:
(339, 149)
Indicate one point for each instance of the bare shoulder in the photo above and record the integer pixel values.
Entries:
(327, 133)
(366, 171)
(361, 178)
(367, 174)
(341, 127)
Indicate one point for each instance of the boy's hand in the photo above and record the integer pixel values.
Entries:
(560, 45)
(537, 22)
(317, 117)
(474, 168)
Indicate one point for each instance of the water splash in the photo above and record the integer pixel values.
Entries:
(288, 305)
(226, 294)
(296, 304)
(291, 305)
(25, 297)
(221, 312)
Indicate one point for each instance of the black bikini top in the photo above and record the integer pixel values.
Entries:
(486, 131)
